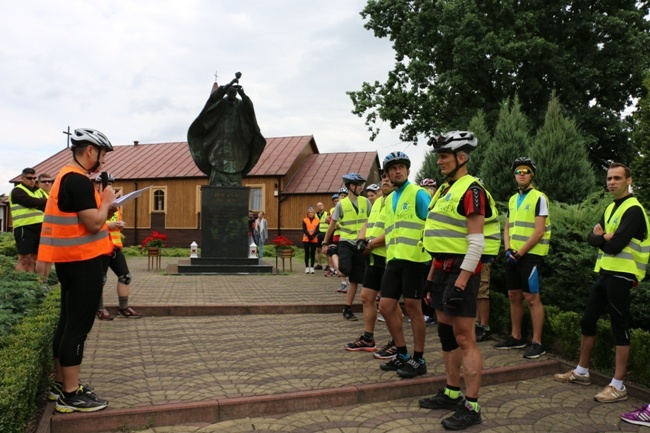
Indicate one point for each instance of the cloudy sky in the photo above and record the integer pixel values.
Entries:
(143, 70)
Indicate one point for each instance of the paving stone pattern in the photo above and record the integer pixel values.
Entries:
(154, 361)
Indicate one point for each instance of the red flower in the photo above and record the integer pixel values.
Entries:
(155, 240)
(282, 243)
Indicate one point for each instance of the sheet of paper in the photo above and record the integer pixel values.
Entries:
(130, 196)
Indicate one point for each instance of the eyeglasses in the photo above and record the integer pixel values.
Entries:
(523, 171)
(30, 177)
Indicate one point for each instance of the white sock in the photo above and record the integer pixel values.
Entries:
(581, 370)
(618, 384)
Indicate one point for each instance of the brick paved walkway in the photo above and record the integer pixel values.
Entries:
(175, 372)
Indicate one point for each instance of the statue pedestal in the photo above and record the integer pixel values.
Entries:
(224, 234)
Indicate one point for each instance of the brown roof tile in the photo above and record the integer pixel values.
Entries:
(172, 160)
(322, 173)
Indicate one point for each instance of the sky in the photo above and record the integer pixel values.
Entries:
(143, 71)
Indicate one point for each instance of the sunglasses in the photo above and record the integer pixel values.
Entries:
(523, 171)
(44, 181)
(30, 177)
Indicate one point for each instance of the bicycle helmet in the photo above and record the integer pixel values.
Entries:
(335, 196)
(84, 136)
(109, 176)
(355, 178)
(428, 182)
(454, 141)
(394, 158)
(373, 187)
(343, 190)
(524, 160)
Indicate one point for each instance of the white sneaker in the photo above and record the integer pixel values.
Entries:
(306, 270)
(311, 270)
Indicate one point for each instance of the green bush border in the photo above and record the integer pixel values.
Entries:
(26, 364)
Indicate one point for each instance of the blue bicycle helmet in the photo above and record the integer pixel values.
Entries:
(394, 158)
(352, 178)
(343, 190)
(335, 196)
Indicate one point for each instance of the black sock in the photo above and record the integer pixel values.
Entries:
(418, 355)
(402, 350)
(368, 335)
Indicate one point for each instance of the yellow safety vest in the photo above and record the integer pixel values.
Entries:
(324, 225)
(25, 216)
(404, 228)
(377, 224)
(633, 259)
(336, 231)
(521, 223)
(116, 234)
(352, 221)
(446, 230)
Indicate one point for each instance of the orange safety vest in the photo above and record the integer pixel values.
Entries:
(116, 234)
(312, 228)
(63, 237)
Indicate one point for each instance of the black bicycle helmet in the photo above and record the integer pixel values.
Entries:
(394, 158)
(84, 136)
(454, 141)
(335, 196)
(525, 161)
(109, 176)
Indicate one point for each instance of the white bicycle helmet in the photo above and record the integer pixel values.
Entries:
(85, 136)
(373, 187)
(454, 141)
(428, 182)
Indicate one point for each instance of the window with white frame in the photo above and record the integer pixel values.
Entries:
(159, 199)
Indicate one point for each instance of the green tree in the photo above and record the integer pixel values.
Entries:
(511, 140)
(641, 137)
(563, 169)
(479, 127)
(453, 57)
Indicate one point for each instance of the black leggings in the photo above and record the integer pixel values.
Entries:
(612, 295)
(81, 290)
(310, 253)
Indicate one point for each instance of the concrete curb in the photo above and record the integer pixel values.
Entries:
(240, 407)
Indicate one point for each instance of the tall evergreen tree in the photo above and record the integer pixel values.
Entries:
(478, 126)
(641, 137)
(511, 140)
(563, 169)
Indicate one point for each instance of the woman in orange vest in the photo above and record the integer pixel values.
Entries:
(310, 239)
(75, 238)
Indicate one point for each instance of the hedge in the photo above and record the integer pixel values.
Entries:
(26, 364)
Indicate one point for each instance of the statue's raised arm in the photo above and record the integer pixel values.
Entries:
(225, 140)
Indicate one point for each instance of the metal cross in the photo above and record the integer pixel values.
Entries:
(68, 134)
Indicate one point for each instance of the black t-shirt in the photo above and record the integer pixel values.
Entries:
(76, 193)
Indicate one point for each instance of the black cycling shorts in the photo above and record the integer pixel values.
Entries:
(404, 278)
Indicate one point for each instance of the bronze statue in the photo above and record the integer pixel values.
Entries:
(225, 140)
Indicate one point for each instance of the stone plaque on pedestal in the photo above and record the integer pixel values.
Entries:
(224, 221)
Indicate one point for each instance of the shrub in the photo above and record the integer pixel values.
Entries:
(26, 363)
